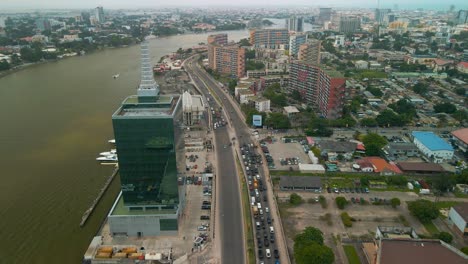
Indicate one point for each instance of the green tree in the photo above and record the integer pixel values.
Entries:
(295, 199)
(464, 250)
(309, 248)
(443, 184)
(424, 210)
(373, 143)
(245, 42)
(252, 65)
(395, 202)
(232, 85)
(368, 122)
(341, 202)
(420, 88)
(4, 65)
(460, 115)
(405, 109)
(446, 237)
(389, 118)
(30, 55)
(278, 121)
(250, 54)
(460, 91)
(448, 108)
(310, 234)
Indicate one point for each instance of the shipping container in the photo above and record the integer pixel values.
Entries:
(129, 250)
(106, 249)
(120, 255)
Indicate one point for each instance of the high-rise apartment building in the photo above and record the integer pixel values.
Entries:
(324, 14)
(295, 41)
(462, 17)
(270, 38)
(380, 15)
(309, 52)
(350, 24)
(146, 136)
(295, 24)
(230, 60)
(99, 14)
(322, 88)
(214, 40)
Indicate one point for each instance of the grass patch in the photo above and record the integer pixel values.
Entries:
(247, 217)
(347, 220)
(460, 194)
(431, 228)
(351, 254)
(403, 220)
(445, 204)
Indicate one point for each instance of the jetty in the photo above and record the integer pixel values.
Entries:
(90, 210)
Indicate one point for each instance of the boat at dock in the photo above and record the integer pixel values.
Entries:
(105, 159)
(112, 141)
(109, 153)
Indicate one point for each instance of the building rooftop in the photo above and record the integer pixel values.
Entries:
(398, 251)
(291, 109)
(420, 166)
(431, 140)
(461, 134)
(120, 209)
(462, 210)
(163, 106)
(300, 181)
(335, 146)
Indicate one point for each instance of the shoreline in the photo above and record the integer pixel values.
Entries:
(27, 65)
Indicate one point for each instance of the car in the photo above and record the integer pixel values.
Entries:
(272, 238)
(268, 253)
(366, 189)
(260, 254)
(204, 217)
(206, 207)
(206, 202)
(259, 243)
(276, 254)
(269, 220)
(201, 228)
(264, 198)
(266, 242)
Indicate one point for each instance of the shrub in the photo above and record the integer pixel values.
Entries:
(295, 199)
(395, 202)
(347, 220)
(323, 202)
(341, 202)
(446, 237)
(424, 210)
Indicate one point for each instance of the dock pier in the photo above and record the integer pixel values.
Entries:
(90, 210)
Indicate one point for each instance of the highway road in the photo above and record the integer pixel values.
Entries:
(243, 135)
(228, 200)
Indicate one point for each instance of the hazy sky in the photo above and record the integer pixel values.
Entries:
(111, 4)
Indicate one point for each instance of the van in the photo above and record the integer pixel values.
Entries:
(253, 200)
(272, 230)
(268, 253)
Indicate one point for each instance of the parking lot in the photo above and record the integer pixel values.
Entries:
(290, 152)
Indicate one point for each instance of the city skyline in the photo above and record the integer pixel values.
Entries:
(30, 4)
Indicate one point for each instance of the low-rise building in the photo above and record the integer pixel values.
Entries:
(262, 104)
(290, 111)
(311, 168)
(432, 146)
(460, 138)
(458, 215)
(300, 183)
(346, 149)
(379, 165)
(361, 65)
(462, 67)
(400, 150)
(420, 167)
(192, 108)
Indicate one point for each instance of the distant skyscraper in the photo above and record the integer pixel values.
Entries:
(43, 24)
(324, 14)
(146, 135)
(309, 52)
(99, 14)
(295, 24)
(350, 24)
(296, 40)
(462, 17)
(380, 14)
(85, 16)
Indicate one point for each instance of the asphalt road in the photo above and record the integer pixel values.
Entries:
(228, 194)
(243, 137)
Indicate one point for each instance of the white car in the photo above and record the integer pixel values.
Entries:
(268, 253)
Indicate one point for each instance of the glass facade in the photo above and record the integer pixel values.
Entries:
(144, 135)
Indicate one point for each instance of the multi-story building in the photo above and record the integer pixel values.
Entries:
(309, 52)
(295, 24)
(295, 41)
(230, 59)
(214, 40)
(99, 14)
(380, 14)
(262, 104)
(462, 17)
(146, 136)
(350, 24)
(43, 24)
(277, 38)
(322, 88)
(325, 14)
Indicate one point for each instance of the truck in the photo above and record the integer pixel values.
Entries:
(424, 191)
(255, 210)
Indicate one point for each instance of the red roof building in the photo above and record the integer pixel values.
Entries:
(460, 137)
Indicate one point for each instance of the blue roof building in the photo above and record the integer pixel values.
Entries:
(432, 146)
